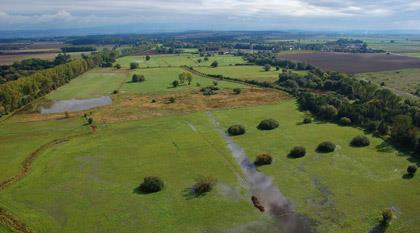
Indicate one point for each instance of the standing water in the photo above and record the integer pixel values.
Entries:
(263, 188)
(75, 105)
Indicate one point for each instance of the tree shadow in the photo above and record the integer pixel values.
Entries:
(190, 193)
(407, 176)
(379, 228)
(138, 191)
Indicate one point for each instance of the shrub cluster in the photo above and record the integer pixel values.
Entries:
(236, 130)
(203, 185)
(297, 152)
(237, 91)
(263, 159)
(411, 169)
(268, 124)
(210, 90)
(360, 141)
(307, 120)
(137, 78)
(326, 147)
(151, 184)
(344, 121)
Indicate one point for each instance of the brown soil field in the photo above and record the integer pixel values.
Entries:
(137, 107)
(353, 63)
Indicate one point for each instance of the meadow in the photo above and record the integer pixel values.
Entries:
(404, 82)
(176, 60)
(343, 191)
(87, 182)
(245, 72)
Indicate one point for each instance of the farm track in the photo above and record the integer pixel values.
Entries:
(8, 220)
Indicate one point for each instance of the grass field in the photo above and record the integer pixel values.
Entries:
(87, 183)
(101, 171)
(91, 84)
(160, 79)
(398, 45)
(179, 60)
(344, 191)
(402, 81)
(245, 72)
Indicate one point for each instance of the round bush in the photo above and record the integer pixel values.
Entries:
(237, 91)
(411, 169)
(345, 121)
(326, 147)
(297, 152)
(307, 120)
(236, 130)
(263, 159)
(203, 185)
(151, 184)
(268, 124)
(360, 141)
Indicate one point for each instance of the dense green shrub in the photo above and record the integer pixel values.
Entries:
(360, 141)
(328, 112)
(383, 128)
(268, 124)
(297, 152)
(236, 130)
(117, 66)
(344, 121)
(213, 64)
(387, 216)
(175, 83)
(411, 170)
(151, 184)
(237, 91)
(134, 65)
(371, 126)
(263, 159)
(307, 120)
(136, 78)
(203, 185)
(326, 147)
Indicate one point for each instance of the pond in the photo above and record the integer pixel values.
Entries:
(75, 105)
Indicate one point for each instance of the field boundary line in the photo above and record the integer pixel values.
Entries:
(8, 220)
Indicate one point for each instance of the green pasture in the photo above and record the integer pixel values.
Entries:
(345, 191)
(91, 84)
(160, 80)
(245, 72)
(404, 82)
(176, 60)
(87, 184)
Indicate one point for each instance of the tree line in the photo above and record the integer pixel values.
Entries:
(17, 93)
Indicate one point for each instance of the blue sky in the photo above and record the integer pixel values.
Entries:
(212, 14)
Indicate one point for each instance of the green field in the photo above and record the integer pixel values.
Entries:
(160, 79)
(404, 82)
(245, 72)
(91, 84)
(176, 60)
(394, 45)
(87, 183)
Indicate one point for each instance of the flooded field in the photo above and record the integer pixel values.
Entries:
(75, 105)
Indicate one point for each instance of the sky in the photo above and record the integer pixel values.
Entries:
(211, 14)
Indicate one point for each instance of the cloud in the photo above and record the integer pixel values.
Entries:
(55, 13)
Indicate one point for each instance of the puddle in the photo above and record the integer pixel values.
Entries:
(75, 105)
